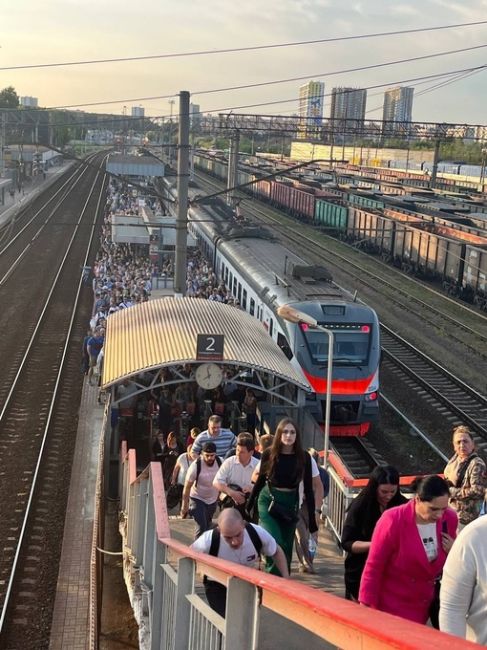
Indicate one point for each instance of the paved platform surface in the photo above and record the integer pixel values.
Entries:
(69, 627)
(328, 563)
(31, 189)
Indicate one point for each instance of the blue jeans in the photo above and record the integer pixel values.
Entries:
(202, 514)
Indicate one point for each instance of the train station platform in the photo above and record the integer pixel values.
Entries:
(70, 623)
(37, 184)
(159, 575)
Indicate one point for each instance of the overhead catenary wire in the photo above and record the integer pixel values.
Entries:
(255, 105)
(459, 76)
(124, 119)
(251, 48)
(275, 82)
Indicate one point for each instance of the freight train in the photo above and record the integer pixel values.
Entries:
(263, 275)
(425, 245)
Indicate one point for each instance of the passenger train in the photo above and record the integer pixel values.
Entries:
(263, 275)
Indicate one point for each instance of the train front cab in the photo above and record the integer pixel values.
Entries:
(356, 358)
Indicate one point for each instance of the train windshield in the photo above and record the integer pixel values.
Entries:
(350, 347)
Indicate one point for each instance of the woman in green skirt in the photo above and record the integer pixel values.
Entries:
(277, 477)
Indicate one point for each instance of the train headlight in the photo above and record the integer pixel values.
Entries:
(372, 388)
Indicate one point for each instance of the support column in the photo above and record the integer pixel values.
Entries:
(3, 119)
(183, 182)
(232, 167)
(242, 619)
(185, 587)
(434, 171)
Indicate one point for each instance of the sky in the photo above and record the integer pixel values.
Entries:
(57, 31)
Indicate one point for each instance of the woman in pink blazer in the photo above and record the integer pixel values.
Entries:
(407, 553)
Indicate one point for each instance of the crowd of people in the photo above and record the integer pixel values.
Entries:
(397, 548)
(260, 488)
(404, 557)
(121, 278)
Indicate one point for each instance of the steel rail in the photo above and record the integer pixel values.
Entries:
(55, 391)
(74, 179)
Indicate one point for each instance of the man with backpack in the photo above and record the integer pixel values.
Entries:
(199, 496)
(240, 542)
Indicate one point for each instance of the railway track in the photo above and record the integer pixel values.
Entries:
(40, 395)
(445, 392)
(357, 454)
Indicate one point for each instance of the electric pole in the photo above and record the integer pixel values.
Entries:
(182, 185)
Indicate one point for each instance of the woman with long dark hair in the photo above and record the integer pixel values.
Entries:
(277, 477)
(409, 547)
(380, 493)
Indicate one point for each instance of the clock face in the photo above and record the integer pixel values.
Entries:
(208, 376)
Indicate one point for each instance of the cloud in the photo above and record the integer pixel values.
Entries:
(471, 11)
(405, 10)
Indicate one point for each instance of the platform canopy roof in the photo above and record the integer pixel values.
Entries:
(134, 165)
(129, 229)
(164, 332)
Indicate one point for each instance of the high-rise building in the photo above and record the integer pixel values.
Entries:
(138, 111)
(194, 115)
(29, 102)
(311, 105)
(348, 104)
(398, 105)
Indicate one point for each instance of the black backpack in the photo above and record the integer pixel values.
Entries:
(215, 540)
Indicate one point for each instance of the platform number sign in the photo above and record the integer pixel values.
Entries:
(209, 347)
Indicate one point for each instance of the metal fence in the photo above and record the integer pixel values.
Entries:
(162, 578)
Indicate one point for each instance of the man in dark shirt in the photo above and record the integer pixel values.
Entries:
(94, 345)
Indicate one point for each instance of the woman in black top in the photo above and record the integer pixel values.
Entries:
(277, 477)
(170, 454)
(380, 493)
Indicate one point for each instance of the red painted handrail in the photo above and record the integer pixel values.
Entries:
(335, 618)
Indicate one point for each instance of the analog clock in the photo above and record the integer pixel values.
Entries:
(208, 376)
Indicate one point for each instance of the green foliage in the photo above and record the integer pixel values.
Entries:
(458, 150)
(222, 143)
(9, 98)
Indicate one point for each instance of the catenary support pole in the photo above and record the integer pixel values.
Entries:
(183, 181)
(234, 154)
(436, 158)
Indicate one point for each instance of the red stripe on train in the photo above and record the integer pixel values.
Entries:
(339, 386)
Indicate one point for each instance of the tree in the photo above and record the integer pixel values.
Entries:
(9, 98)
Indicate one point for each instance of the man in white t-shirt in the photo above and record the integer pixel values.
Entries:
(234, 478)
(235, 541)
(199, 495)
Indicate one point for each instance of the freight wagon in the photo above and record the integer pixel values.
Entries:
(426, 245)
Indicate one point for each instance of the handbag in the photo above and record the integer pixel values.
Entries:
(434, 608)
(226, 500)
(173, 495)
(280, 512)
